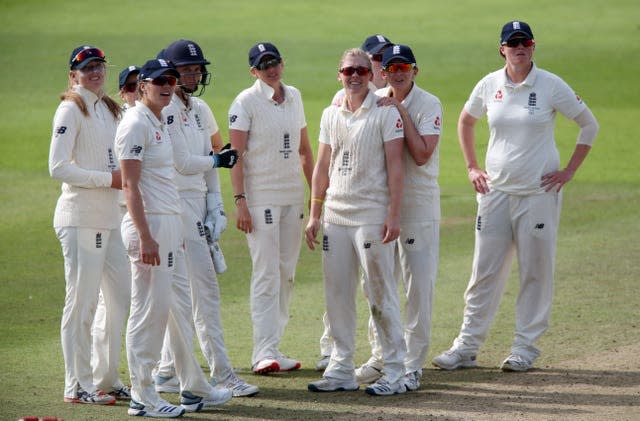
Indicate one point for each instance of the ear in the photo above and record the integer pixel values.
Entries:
(254, 72)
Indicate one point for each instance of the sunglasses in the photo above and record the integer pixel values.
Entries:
(130, 87)
(267, 64)
(85, 54)
(349, 71)
(514, 42)
(164, 80)
(398, 67)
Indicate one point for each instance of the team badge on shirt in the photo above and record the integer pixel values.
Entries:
(498, 95)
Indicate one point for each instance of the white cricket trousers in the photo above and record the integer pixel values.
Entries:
(197, 291)
(345, 250)
(274, 245)
(94, 260)
(152, 312)
(507, 225)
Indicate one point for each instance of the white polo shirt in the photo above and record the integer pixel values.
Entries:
(421, 195)
(191, 126)
(271, 162)
(358, 192)
(521, 120)
(141, 136)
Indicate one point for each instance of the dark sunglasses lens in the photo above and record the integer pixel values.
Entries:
(268, 64)
(512, 43)
(165, 80)
(349, 71)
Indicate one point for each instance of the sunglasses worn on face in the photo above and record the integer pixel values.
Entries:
(164, 80)
(398, 67)
(92, 68)
(267, 64)
(349, 71)
(514, 42)
(85, 54)
(130, 87)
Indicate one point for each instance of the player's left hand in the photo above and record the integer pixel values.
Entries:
(556, 179)
(216, 223)
(311, 232)
(390, 230)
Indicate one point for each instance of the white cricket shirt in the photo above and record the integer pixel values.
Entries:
(358, 192)
(271, 162)
(421, 194)
(521, 121)
(141, 136)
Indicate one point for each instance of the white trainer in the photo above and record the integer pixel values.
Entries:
(412, 380)
(367, 373)
(328, 384)
(163, 410)
(166, 384)
(194, 403)
(323, 362)
(454, 359)
(238, 386)
(288, 364)
(268, 365)
(384, 388)
(515, 362)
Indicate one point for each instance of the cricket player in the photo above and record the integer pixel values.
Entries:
(190, 120)
(358, 178)
(519, 197)
(268, 128)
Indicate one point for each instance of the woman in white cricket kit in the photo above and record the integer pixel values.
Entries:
(417, 249)
(268, 128)
(359, 169)
(86, 222)
(519, 197)
(152, 233)
(190, 120)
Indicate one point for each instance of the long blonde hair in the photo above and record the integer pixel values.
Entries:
(71, 95)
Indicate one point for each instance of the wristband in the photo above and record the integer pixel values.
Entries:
(239, 196)
(317, 199)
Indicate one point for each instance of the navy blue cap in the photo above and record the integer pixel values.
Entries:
(124, 74)
(83, 55)
(261, 50)
(375, 43)
(398, 52)
(515, 27)
(183, 53)
(157, 67)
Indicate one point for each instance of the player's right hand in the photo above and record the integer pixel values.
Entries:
(227, 157)
(311, 232)
(478, 178)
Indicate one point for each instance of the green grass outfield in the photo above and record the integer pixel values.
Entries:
(593, 45)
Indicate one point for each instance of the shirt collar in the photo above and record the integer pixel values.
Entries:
(369, 102)
(87, 95)
(267, 91)
(148, 113)
(530, 80)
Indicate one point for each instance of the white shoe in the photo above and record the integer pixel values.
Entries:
(367, 373)
(268, 365)
(162, 410)
(412, 380)
(323, 362)
(166, 384)
(454, 359)
(328, 384)
(287, 364)
(238, 386)
(383, 388)
(515, 362)
(194, 403)
(96, 398)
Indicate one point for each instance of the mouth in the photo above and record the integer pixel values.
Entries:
(165, 94)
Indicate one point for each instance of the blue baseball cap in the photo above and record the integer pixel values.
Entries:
(515, 27)
(375, 43)
(83, 55)
(157, 67)
(399, 53)
(261, 50)
(124, 74)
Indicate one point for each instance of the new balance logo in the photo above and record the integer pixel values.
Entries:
(367, 245)
(200, 229)
(61, 130)
(325, 243)
(410, 241)
(99, 240)
(268, 218)
(136, 149)
(539, 226)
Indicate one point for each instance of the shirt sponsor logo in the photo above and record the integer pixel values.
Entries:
(60, 130)
(233, 118)
(136, 149)
(170, 119)
(286, 146)
(532, 103)
(345, 167)
(498, 95)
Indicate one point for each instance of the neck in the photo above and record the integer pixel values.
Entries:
(278, 93)
(354, 101)
(155, 109)
(400, 93)
(518, 73)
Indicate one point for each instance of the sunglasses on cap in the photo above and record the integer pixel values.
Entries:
(514, 42)
(267, 64)
(85, 54)
(163, 80)
(350, 70)
(398, 67)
